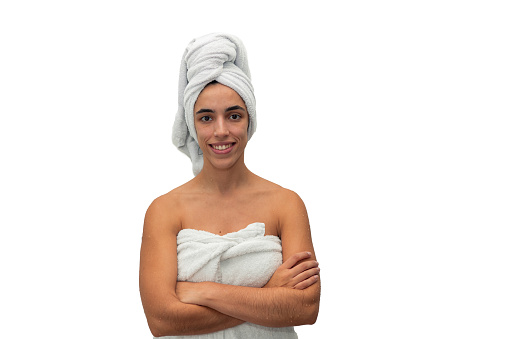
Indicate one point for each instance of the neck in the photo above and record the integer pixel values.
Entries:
(223, 181)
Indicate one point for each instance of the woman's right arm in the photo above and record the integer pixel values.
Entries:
(166, 315)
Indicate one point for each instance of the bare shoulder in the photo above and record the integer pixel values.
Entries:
(293, 221)
(293, 208)
(291, 197)
(284, 200)
(163, 213)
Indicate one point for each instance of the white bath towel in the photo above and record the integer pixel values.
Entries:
(243, 258)
(218, 56)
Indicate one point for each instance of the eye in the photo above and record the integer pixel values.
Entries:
(205, 118)
(235, 116)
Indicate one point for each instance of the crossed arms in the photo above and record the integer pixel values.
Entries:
(290, 298)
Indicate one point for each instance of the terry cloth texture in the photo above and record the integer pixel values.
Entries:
(220, 57)
(245, 258)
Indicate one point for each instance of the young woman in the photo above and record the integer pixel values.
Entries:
(228, 253)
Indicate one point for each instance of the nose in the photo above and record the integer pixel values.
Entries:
(221, 128)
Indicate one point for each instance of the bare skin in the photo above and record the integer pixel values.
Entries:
(226, 197)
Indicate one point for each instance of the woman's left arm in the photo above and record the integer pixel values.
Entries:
(272, 306)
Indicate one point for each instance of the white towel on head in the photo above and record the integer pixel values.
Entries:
(217, 56)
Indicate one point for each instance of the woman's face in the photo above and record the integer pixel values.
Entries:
(221, 121)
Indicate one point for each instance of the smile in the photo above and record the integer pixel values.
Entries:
(222, 147)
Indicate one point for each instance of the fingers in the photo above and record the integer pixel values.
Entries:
(306, 274)
(302, 267)
(299, 275)
(290, 262)
(309, 273)
(306, 283)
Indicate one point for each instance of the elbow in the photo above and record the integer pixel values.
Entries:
(313, 316)
(304, 309)
(154, 329)
(306, 315)
(311, 307)
(161, 326)
(158, 328)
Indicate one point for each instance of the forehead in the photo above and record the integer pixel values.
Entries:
(218, 95)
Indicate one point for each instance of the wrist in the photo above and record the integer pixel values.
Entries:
(205, 292)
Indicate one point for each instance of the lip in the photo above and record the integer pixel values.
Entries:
(224, 151)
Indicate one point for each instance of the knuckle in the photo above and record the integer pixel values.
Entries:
(309, 264)
(297, 256)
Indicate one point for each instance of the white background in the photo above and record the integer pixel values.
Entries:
(389, 118)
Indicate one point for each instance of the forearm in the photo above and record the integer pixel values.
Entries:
(189, 319)
(273, 307)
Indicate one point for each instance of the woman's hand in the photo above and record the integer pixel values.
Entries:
(295, 275)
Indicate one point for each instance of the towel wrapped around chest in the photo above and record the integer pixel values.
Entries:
(244, 258)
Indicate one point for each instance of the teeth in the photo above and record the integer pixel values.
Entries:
(222, 147)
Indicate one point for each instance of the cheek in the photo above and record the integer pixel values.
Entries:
(243, 126)
(201, 129)
(240, 131)
(202, 135)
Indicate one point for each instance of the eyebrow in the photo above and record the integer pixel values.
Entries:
(208, 110)
(204, 110)
(233, 108)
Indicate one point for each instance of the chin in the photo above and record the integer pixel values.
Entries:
(227, 164)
